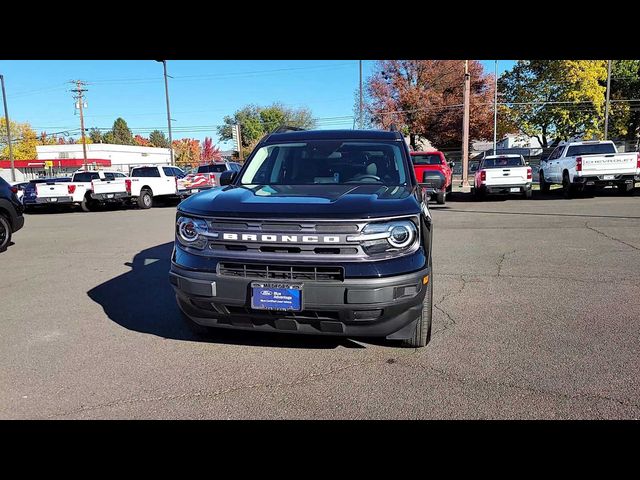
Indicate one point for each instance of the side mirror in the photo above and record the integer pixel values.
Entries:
(227, 178)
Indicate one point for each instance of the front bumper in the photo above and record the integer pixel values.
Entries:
(365, 307)
(106, 197)
(505, 189)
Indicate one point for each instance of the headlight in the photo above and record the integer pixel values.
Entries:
(394, 236)
(192, 232)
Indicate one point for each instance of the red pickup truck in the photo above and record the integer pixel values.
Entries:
(430, 165)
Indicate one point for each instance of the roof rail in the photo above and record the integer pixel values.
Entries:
(286, 128)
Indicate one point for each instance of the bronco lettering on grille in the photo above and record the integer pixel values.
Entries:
(252, 237)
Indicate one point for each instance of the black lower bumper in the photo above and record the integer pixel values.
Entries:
(17, 223)
(364, 307)
(505, 189)
(53, 200)
(604, 181)
(109, 197)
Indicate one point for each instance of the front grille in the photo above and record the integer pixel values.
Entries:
(281, 272)
(303, 315)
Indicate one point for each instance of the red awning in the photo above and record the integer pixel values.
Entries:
(57, 163)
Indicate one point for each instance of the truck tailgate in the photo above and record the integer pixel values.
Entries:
(612, 164)
(109, 186)
(52, 190)
(506, 175)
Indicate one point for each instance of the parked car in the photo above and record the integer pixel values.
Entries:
(11, 219)
(430, 165)
(503, 174)
(322, 232)
(155, 181)
(46, 191)
(580, 166)
(213, 171)
(20, 186)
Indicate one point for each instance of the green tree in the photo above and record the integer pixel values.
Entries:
(158, 139)
(95, 135)
(556, 99)
(119, 134)
(624, 122)
(256, 121)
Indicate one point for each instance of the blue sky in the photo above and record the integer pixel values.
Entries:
(201, 92)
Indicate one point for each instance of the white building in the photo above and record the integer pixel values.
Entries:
(122, 157)
(519, 141)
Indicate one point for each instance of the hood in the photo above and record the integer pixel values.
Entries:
(306, 201)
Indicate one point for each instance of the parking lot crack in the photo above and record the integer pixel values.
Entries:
(311, 377)
(501, 260)
(612, 238)
(450, 321)
(540, 391)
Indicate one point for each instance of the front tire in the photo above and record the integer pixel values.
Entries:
(567, 191)
(5, 233)
(422, 334)
(145, 200)
(544, 186)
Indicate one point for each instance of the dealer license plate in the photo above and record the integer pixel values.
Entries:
(276, 296)
(109, 195)
(609, 177)
(515, 189)
(53, 199)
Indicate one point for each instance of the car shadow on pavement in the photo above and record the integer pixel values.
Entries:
(142, 300)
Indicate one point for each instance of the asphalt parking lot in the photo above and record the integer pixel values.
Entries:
(537, 315)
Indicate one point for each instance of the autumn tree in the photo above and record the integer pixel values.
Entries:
(210, 153)
(45, 139)
(187, 152)
(424, 98)
(23, 140)
(556, 99)
(158, 139)
(141, 141)
(256, 121)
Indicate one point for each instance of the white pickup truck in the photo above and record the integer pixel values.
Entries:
(580, 166)
(151, 181)
(87, 188)
(503, 174)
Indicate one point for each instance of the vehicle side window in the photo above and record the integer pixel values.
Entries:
(109, 176)
(178, 173)
(168, 171)
(119, 175)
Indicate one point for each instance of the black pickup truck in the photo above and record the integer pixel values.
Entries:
(321, 232)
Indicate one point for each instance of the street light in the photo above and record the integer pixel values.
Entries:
(6, 116)
(166, 91)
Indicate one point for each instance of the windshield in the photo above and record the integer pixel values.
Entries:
(432, 159)
(503, 162)
(600, 148)
(326, 162)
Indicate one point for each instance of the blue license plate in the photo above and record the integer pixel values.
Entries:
(266, 296)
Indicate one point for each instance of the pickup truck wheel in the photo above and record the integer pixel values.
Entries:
(625, 190)
(87, 204)
(544, 186)
(5, 233)
(145, 200)
(567, 191)
(441, 198)
(528, 193)
(422, 334)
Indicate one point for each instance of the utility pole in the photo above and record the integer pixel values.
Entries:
(495, 113)
(79, 91)
(166, 92)
(360, 118)
(465, 125)
(606, 111)
(6, 118)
